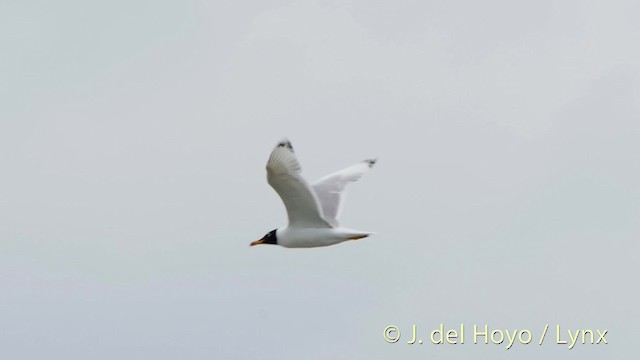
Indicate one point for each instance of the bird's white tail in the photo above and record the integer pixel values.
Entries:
(357, 234)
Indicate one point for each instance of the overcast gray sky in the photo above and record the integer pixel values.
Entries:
(133, 140)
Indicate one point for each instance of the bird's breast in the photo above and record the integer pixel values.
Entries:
(309, 237)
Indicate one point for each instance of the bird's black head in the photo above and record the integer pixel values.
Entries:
(270, 238)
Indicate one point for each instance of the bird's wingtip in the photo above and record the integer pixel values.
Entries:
(370, 162)
(285, 143)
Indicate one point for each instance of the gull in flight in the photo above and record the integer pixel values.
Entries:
(312, 209)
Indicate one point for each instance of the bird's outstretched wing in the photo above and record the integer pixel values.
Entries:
(330, 189)
(283, 174)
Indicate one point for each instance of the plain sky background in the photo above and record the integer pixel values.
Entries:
(133, 140)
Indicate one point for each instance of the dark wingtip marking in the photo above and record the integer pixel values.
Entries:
(371, 162)
(285, 144)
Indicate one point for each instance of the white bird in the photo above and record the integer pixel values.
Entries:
(312, 210)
